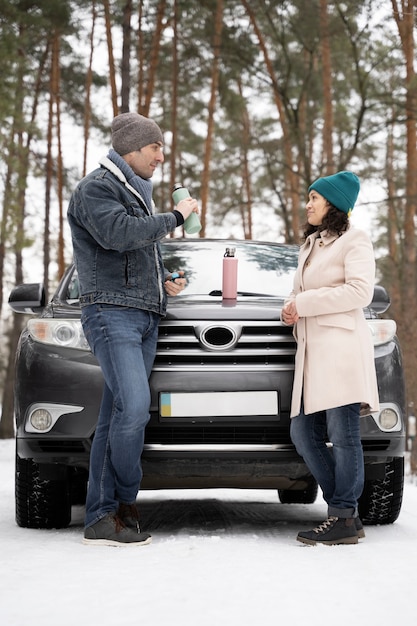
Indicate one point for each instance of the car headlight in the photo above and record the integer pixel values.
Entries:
(382, 331)
(66, 333)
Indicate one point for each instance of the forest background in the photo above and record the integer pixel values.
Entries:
(256, 99)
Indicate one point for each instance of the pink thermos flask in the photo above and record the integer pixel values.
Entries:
(229, 291)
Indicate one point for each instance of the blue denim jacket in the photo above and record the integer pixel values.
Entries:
(116, 244)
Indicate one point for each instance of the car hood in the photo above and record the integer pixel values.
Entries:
(214, 307)
(192, 307)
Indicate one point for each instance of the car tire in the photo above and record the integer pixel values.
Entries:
(40, 503)
(381, 499)
(304, 496)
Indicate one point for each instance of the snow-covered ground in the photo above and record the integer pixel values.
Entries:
(222, 557)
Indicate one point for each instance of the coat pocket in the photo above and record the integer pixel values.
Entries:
(337, 320)
(131, 270)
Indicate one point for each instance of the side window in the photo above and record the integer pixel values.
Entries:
(73, 292)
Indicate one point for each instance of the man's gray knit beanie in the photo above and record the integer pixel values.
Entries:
(131, 131)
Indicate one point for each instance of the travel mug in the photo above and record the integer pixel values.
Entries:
(192, 224)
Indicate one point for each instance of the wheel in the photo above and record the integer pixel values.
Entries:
(40, 503)
(381, 499)
(304, 496)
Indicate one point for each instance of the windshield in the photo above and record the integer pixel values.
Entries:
(263, 268)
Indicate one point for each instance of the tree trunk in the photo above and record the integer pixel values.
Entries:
(7, 195)
(408, 323)
(154, 56)
(246, 178)
(7, 415)
(327, 90)
(174, 100)
(49, 174)
(88, 83)
(15, 192)
(125, 70)
(55, 93)
(205, 180)
(112, 69)
(291, 195)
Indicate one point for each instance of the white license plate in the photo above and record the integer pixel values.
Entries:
(219, 404)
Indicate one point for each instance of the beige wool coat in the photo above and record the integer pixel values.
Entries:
(334, 363)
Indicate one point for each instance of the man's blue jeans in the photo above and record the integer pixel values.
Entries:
(123, 340)
(339, 470)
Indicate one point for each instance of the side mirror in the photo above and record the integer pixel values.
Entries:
(380, 301)
(28, 298)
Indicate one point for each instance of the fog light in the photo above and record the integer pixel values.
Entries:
(42, 416)
(388, 419)
(41, 419)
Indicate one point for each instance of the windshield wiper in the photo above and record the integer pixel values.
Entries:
(252, 294)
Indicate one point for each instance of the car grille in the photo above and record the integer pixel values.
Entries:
(218, 435)
(375, 445)
(222, 345)
(59, 446)
(235, 435)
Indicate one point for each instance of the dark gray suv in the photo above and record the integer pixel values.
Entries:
(221, 388)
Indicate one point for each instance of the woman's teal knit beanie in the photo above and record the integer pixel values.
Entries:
(340, 189)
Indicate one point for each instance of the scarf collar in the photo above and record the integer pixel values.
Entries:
(142, 185)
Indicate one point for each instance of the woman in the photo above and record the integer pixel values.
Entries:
(334, 365)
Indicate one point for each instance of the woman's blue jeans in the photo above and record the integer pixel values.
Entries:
(339, 470)
(124, 341)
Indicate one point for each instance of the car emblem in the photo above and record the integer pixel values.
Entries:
(219, 337)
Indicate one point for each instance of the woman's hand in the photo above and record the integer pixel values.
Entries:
(289, 313)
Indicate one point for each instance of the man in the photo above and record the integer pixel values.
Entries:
(123, 287)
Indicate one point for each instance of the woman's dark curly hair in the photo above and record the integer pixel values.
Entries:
(335, 222)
